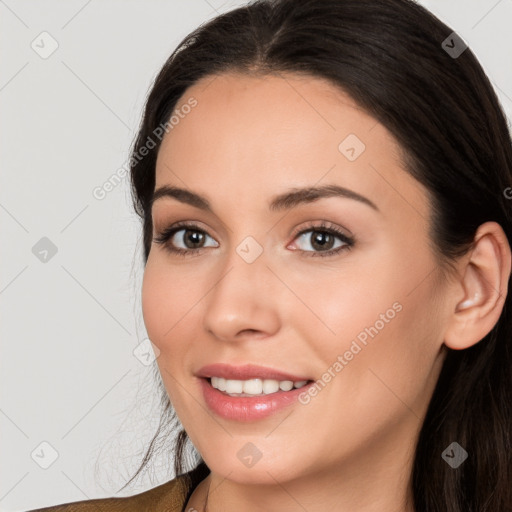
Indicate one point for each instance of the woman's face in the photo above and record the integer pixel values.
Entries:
(266, 282)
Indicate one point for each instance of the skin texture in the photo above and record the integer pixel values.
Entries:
(351, 447)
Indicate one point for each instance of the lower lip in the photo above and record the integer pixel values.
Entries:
(246, 408)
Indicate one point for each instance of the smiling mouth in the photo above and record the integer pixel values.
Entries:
(254, 387)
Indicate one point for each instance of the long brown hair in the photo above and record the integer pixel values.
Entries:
(391, 56)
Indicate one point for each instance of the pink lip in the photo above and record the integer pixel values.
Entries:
(245, 372)
(245, 409)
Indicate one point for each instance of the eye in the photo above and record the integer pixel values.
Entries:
(322, 239)
(193, 238)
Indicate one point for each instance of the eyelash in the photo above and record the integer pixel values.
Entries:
(324, 227)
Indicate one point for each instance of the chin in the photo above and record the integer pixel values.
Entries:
(250, 465)
(260, 474)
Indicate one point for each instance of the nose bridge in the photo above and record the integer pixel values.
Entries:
(242, 298)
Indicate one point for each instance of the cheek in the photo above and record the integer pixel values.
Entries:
(167, 303)
(365, 285)
(380, 314)
(154, 303)
(391, 350)
(165, 306)
(344, 306)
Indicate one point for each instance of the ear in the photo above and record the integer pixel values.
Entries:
(484, 282)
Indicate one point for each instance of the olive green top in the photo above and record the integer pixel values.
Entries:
(168, 497)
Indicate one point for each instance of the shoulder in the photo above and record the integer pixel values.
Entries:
(167, 497)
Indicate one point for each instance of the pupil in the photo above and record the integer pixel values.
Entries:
(322, 239)
(194, 237)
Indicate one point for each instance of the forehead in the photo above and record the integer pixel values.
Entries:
(258, 135)
(271, 111)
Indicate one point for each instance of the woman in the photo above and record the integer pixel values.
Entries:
(324, 190)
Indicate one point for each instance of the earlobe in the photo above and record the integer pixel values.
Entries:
(484, 283)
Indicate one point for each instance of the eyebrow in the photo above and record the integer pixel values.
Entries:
(284, 201)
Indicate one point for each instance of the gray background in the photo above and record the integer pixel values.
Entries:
(70, 324)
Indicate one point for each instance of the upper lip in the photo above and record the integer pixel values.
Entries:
(246, 372)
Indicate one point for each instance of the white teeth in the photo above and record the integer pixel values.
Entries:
(270, 386)
(286, 385)
(234, 386)
(221, 383)
(254, 386)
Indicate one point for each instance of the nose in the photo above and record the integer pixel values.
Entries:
(243, 303)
